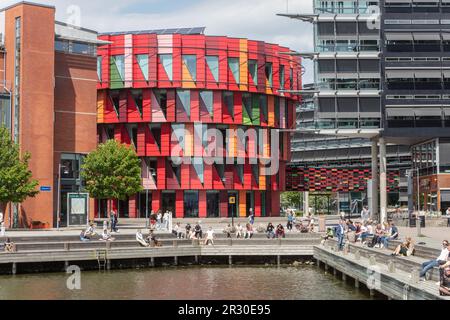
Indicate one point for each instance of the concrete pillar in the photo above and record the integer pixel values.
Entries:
(175, 260)
(108, 264)
(335, 272)
(305, 203)
(278, 260)
(344, 277)
(356, 283)
(152, 261)
(383, 181)
(196, 259)
(230, 260)
(14, 268)
(374, 188)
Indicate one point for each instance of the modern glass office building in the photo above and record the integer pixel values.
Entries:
(381, 81)
(178, 92)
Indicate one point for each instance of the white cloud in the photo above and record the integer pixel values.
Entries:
(252, 19)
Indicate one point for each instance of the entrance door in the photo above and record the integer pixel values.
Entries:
(122, 210)
(168, 202)
(249, 203)
(233, 207)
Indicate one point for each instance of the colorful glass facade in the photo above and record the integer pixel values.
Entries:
(165, 93)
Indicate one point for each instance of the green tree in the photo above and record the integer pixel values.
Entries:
(16, 179)
(291, 199)
(113, 171)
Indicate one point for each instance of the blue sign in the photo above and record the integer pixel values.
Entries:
(45, 189)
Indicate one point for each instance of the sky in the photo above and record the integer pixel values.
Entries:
(252, 19)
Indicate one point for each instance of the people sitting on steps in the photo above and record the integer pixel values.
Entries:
(9, 246)
(90, 231)
(444, 287)
(280, 232)
(239, 231)
(228, 231)
(178, 231)
(378, 234)
(106, 236)
(209, 237)
(140, 239)
(270, 231)
(154, 242)
(390, 234)
(248, 231)
(405, 249)
(198, 231)
(441, 260)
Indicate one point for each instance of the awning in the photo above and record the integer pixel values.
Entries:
(400, 112)
(399, 74)
(427, 36)
(434, 74)
(428, 112)
(399, 36)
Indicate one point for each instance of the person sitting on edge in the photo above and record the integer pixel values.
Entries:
(188, 230)
(280, 232)
(177, 230)
(269, 231)
(444, 288)
(106, 236)
(405, 249)
(239, 231)
(9, 246)
(376, 240)
(441, 260)
(209, 237)
(392, 234)
(198, 231)
(90, 231)
(248, 231)
(140, 239)
(228, 230)
(154, 242)
(83, 236)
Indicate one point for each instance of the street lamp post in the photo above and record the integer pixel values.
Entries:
(153, 174)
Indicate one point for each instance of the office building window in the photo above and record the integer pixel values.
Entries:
(184, 101)
(228, 101)
(213, 65)
(138, 100)
(166, 61)
(119, 62)
(253, 70)
(190, 62)
(5, 111)
(233, 64)
(282, 80)
(142, 60)
(191, 204)
(269, 73)
(99, 68)
(207, 102)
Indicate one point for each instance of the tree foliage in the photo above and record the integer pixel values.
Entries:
(16, 179)
(291, 199)
(113, 171)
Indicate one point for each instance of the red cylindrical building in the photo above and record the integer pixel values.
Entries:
(172, 93)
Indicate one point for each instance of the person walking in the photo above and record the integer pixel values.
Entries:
(340, 234)
(111, 220)
(441, 260)
(251, 217)
(158, 220)
(365, 213)
(166, 220)
(290, 219)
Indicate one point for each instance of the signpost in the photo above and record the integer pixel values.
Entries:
(232, 201)
(77, 209)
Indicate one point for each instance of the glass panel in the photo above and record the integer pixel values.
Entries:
(206, 101)
(253, 70)
(282, 80)
(184, 101)
(167, 63)
(213, 64)
(199, 168)
(191, 204)
(233, 63)
(212, 204)
(228, 100)
(190, 61)
(80, 48)
(5, 111)
(269, 75)
(120, 64)
(99, 68)
(142, 60)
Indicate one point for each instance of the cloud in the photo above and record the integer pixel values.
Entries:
(252, 19)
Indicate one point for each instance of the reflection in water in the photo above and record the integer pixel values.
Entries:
(183, 283)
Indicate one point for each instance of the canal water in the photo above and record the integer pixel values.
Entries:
(186, 283)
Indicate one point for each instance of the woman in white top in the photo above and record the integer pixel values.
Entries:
(209, 236)
(140, 239)
(166, 220)
(158, 220)
(239, 230)
(106, 236)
